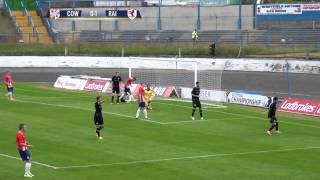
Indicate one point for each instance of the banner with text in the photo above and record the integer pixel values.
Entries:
(249, 99)
(206, 95)
(66, 82)
(311, 7)
(298, 106)
(96, 86)
(279, 9)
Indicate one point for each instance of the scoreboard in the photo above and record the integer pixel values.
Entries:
(92, 14)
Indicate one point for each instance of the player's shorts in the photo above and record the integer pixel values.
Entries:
(148, 99)
(9, 89)
(142, 104)
(273, 120)
(127, 90)
(116, 90)
(196, 103)
(123, 100)
(25, 155)
(98, 119)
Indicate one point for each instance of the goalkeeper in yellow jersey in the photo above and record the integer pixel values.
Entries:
(148, 96)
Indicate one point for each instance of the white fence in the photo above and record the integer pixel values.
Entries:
(258, 65)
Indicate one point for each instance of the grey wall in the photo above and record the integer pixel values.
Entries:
(171, 18)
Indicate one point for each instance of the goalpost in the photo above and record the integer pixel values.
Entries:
(182, 74)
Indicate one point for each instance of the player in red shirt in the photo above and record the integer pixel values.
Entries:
(142, 103)
(9, 84)
(127, 91)
(23, 147)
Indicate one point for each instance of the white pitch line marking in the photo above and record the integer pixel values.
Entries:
(111, 113)
(189, 101)
(205, 120)
(162, 123)
(186, 157)
(34, 162)
(122, 115)
(246, 116)
(85, 109)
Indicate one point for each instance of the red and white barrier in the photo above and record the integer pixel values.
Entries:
(66, 82)
(311, 108)
(96, 86)
(104, 85)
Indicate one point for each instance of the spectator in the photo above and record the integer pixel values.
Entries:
(195, 35)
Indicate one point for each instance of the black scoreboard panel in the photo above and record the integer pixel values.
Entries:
(94, 14)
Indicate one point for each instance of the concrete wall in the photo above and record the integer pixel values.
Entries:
(171, 18)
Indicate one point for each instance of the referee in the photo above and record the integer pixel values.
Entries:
(116, 80)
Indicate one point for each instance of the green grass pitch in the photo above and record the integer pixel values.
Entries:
(229, 144)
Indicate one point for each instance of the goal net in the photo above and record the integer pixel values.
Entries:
(182, 74)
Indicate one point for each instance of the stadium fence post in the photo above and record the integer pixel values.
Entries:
(122, 52)
(159, 15)
(240, 15)
(116, 22)
(195, 72)
(130, 72)
(198, 17)
(179, 53)
(65, 51)
(288, 78)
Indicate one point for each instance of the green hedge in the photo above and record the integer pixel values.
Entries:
(157, 51)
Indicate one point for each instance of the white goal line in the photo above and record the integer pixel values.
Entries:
(212, 105)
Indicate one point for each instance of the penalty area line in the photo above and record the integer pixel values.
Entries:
(186, 158)
(33, 162)
(85, 109)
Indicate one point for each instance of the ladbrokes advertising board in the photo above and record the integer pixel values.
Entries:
(298, 106)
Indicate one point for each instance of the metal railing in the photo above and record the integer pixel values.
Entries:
(262, 38)
(24, 9)
(12, 18)
(289, 39)
(138, 3)
(6, 6)
(46, 22)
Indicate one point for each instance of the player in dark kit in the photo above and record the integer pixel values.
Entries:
(272, 117)
(98, 118)
(195, 93)
(116, 80)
